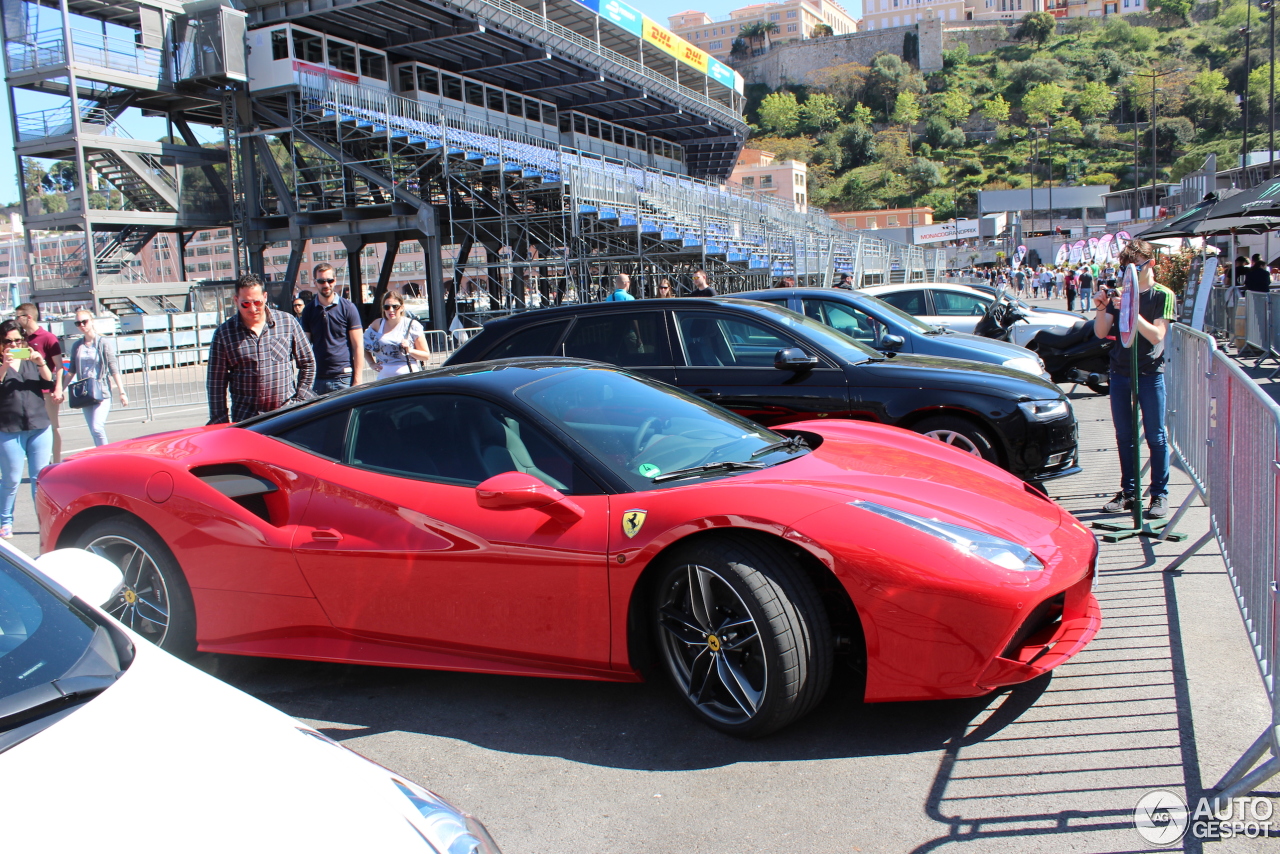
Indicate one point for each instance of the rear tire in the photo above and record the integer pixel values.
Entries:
(742, 634)
(156, 601)
(961, 434)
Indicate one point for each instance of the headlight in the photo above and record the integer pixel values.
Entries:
(449, 830)
(1026, 364)
(1045, 410)
(1001, 552)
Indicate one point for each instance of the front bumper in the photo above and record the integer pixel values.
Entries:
(1049, 451)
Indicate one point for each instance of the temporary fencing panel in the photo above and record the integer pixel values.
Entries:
(1224, 429)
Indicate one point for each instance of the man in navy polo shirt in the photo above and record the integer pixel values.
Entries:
(337, 335)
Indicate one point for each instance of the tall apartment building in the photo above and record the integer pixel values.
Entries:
(795, 19)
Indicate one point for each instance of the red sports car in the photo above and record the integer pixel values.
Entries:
(563, 518)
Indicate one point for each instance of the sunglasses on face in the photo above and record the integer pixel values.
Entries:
(251, 303)
(391, 307)
(84, 322)
(325, 281)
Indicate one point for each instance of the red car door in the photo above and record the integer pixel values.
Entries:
(395, 544)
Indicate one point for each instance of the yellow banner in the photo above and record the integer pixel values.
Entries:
(662, 38)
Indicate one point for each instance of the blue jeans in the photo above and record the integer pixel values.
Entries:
(324, 386)
(30, 446)
(1151, 403)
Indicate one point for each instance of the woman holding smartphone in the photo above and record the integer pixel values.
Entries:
(25, 436)
(93, 356)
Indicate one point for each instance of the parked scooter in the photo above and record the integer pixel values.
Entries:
(1075, 356)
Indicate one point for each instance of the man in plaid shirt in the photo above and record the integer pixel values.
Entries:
(254, 355)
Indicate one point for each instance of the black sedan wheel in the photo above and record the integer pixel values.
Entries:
(961, 434)
(743, 634)
(156, 601)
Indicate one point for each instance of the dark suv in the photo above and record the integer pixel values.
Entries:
(774, 366)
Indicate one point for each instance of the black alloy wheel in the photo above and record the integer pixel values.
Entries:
(155, 601)
(743, 634)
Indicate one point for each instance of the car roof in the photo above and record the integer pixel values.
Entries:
(838, 293)
(904, 286)
(497, 376)
(567, 311)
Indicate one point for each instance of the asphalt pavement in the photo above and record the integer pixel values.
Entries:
(1166, 697)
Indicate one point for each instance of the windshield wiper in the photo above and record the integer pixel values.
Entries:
(791, 444)
(41, 700)
(694, 471)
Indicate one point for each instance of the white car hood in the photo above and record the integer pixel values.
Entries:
(171, 759)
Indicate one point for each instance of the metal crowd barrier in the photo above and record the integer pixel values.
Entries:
(1224, 430)
(1220, 319)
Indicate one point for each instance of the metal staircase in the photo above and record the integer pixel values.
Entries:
(140, 177)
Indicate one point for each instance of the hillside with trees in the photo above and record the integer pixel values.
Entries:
(1059, 97)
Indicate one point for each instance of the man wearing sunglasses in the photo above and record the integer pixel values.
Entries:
(261, 357)
(337, 335)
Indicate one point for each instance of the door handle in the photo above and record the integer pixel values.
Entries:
(708, 394)
(326, 535)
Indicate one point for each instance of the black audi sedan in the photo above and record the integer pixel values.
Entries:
(774, 365)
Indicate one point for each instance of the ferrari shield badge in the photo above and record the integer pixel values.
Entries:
(632, 522)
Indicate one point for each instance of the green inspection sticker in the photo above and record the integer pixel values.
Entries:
(649, 470)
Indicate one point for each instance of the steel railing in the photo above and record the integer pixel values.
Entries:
(1224, 430)
(48, 48)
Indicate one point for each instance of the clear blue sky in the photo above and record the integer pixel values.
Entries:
(659, 10)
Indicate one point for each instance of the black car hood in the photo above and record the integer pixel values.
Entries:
(916, 371)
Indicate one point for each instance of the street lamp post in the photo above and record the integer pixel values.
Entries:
(1154, 75)
(1247, 32)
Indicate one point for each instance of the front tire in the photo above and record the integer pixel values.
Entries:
(156, 601)
(959, 433)
(743, 634)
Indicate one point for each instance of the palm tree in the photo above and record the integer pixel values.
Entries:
(768, 28)
(751, 32)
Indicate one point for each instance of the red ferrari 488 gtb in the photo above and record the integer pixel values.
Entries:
(563, 518)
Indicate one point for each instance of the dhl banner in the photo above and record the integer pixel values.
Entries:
(662, 38)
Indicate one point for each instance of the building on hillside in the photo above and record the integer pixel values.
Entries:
(882, 14)
(784, 179)
(795, 19)
(889, 218)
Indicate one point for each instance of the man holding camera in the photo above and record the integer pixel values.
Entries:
(1155, 312)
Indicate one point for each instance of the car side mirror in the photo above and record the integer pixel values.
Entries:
(794, 359)
(89, 576)
(892, 342)
(515, 490)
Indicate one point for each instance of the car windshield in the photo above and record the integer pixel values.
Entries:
(896, 313)
(835, 342)
(646, 432)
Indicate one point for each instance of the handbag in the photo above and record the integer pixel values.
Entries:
(85, 392)
(89, 391)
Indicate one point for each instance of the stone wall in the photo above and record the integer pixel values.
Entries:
(796, 62)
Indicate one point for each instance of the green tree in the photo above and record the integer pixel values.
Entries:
(952, 105)
(857, 140)
(1260, 84)
(739, 49)
(922, 175)
(888, 77)
(861, 114)
(1094, 101)
(1178, 10)
(1209, 104)
(821, 30)
(906, 112)
(780, 113)
(1044, 103)
(819, 112)
(1036, 26)
(996, 109)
